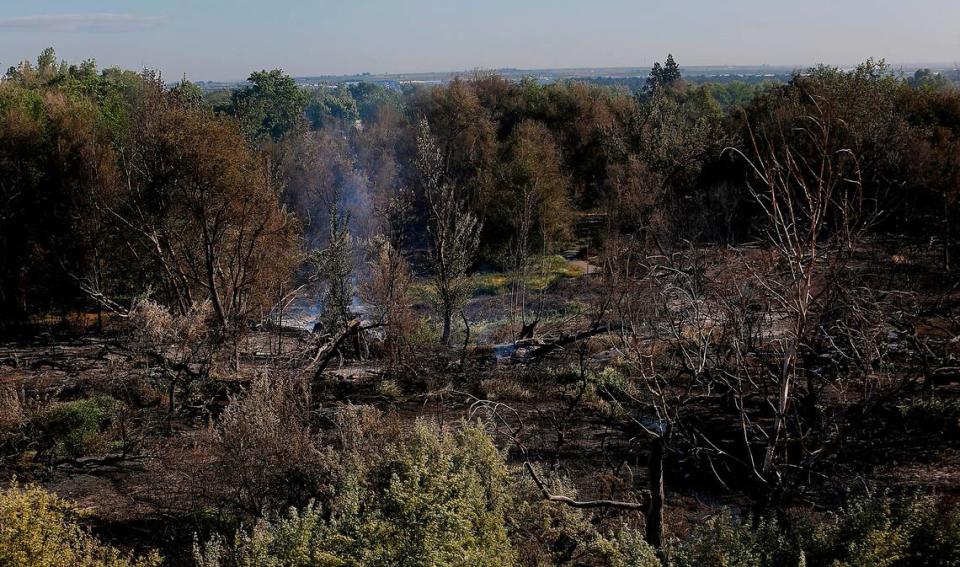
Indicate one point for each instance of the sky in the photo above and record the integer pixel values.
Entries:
(227, 39)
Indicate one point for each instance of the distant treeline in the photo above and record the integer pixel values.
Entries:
(112, 184)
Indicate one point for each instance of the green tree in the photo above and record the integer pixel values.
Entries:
(665, 75)
(270, 106)
(334, 267)
(331, 104)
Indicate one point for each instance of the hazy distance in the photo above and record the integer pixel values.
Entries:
(226, 39)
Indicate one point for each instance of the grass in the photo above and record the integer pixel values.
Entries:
(544, 271)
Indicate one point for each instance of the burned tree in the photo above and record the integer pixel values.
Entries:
(454, 232)
(386, 288)
(334, 266)
(809, 187)
(199, 212)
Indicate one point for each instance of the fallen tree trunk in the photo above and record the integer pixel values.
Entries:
(327, 351)
(582, 503)
(565, 340)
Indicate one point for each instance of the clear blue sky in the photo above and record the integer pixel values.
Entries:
(226, 39)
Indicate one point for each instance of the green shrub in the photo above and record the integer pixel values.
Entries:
(390, 390)
(865, 534)
(722, 541)
(551, 533)
(438, 498)
(38, 529)
(74, 429)
(880, 532)
(433, 499)
(870, 531)
(935, 415)
(628, 548)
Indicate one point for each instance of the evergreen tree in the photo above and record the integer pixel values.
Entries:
(664, 75)
(671, 71)
(334, 266)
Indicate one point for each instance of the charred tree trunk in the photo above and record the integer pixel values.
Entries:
(946, 233)
(447, 324)
(172, 401)
(654, 514)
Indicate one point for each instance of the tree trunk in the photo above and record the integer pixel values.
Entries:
(447, 323)
(946, 233)
(654, 515)
(172, 401)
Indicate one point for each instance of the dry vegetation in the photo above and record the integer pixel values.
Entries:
(498, 324)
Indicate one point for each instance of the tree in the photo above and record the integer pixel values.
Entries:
(53, 155)
(532, 209)
(326, 104)
(388, 280)
(665, 75)
(270, 106)
(928, 80)
(810, 189)
(454, 232)
(200, 212)
(334, 268)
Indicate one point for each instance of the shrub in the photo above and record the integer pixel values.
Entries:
(505, 388)
(432, 499)
(876, 531)
(628, 549)
(265, 453)
(720, 542)
(74, 429)
(550, 533)
(870, 531)
(13, 422)
(933, 415)
(12, 412)
(38, 529)
(865, 533)
(390, 390)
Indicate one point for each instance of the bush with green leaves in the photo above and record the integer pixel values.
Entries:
(869, 532)
(933, 415)
(433, 498)
(725, 541)
(881, 532)
(38, 529)
(74, 429)
(628, 548)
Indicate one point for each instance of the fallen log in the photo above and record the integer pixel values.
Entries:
(327, 351)
(584, 503)
(565, 340)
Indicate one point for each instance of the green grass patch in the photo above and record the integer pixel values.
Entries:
(544, 271)
(74, 429)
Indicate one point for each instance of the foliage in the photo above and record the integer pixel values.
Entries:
(665, 75)
(38, 529)
(870, 531)
(74, 429)
(627, 548)
(331, 104)
(934, 414)
(210, 229)
(270, 106)
(334, 265)
(454, 232)
(264, 454)
(53, 156)
(434, 499)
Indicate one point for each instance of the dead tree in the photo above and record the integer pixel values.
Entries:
(454, 232)
(811, 193)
